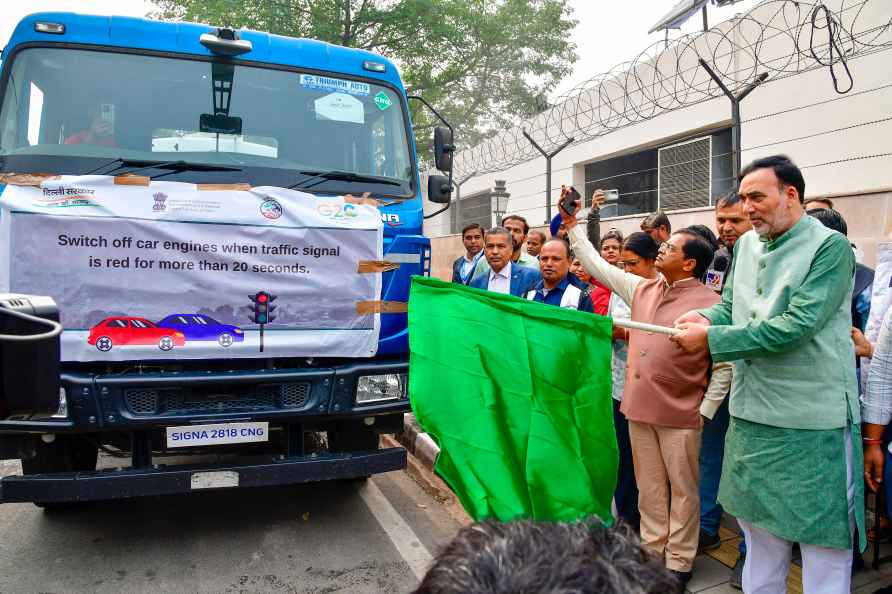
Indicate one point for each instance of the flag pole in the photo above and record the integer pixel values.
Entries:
(646, 327)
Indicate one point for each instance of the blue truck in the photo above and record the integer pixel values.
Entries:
(84, 95)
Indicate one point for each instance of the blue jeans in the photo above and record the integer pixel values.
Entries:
(626, 494)
(712, 452)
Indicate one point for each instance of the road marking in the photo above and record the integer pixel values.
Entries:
(407, 543)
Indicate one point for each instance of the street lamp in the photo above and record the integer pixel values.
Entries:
(499, 198)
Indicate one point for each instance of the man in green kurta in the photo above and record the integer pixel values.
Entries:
(791, 473)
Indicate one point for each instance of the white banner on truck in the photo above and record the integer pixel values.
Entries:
(168, 271)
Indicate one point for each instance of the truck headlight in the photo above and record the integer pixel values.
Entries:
(373, 388)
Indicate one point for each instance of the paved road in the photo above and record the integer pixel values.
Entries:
(326, 537)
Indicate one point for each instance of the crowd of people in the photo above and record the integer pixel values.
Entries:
(754, 406)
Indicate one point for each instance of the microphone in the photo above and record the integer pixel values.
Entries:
(720, 263)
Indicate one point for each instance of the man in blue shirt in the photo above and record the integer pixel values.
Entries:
(558, 286)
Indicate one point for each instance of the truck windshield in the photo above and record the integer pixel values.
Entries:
(73, 111)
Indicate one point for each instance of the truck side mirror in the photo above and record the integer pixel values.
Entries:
(439, 190)
(443, 149)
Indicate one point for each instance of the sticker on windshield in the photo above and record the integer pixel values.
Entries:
(383, 101)
(340, 107)
(325, 83)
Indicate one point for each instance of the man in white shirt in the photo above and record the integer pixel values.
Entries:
(503, 276)
(500, 281)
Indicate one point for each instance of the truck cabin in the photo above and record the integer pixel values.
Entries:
(80, 93)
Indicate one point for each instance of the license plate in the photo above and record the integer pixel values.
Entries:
(217, 434)
(214, 480)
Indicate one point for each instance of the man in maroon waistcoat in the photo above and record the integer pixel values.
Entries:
(667, 392)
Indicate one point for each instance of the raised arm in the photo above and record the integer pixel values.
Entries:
(593, 220)
(613, 278)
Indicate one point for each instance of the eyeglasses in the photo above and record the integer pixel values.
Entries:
(667, 247)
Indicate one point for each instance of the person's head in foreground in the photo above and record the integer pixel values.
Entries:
(527, 557)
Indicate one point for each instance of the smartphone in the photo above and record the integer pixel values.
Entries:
(107, 113)
(568, 203)
(611, 195)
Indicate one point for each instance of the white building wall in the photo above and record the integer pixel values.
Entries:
(776, 120)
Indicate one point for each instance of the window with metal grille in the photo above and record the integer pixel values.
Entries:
(685, 174)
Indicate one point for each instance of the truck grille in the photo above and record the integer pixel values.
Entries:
(142, 402)
(150, 401)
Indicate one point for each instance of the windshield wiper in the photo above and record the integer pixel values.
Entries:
(174, 166)
(335, 174)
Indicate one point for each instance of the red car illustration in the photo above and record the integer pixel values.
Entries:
(120, 331)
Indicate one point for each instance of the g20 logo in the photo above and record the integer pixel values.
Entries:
(337, 211)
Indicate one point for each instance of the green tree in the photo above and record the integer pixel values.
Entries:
(482, 63)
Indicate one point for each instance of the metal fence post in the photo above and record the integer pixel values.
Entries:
(548, 157)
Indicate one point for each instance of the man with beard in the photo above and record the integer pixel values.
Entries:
(793, 448)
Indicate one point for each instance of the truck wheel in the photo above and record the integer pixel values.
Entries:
(65, 454)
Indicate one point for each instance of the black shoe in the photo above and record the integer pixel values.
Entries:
(857, 561)
(708, 542)
(683, 578)
(736, 580)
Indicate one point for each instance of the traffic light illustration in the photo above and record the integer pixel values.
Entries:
(263, 307)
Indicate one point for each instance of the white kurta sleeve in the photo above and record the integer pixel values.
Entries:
(621, 283)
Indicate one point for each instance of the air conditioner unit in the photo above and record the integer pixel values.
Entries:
(684, 174)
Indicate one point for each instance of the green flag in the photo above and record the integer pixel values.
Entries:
(517, 395)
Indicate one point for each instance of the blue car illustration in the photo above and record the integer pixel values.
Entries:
(202, 327)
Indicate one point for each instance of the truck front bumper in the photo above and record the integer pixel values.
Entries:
(166, 480)
(137, 401)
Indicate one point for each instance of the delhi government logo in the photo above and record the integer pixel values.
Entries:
(271, 209)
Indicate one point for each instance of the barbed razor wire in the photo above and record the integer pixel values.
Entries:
(782, 38)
